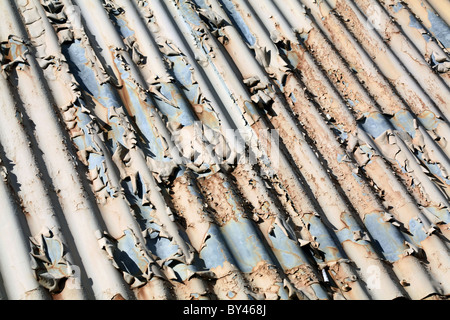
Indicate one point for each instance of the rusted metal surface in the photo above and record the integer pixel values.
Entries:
(224, 149)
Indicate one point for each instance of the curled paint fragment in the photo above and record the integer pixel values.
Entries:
(48, 261)
(440, 62)
(130, 257)
(13, 54)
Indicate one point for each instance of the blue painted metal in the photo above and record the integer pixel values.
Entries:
(403, 121)
(442, 214)
(196, 27)
(333, 251)
(390, 239)
(346, 234)
(291, 256)
(170, 91)
(236, 19)
(429, 120)
(243, 240)
(416, 228)
(282, 246)
(95, 157)
(439, 29)
(143, 111)
(104, 94)
(355, 233)
(50, 265)
(129, 258)
(328, 243)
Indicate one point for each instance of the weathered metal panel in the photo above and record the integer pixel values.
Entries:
(224, 149)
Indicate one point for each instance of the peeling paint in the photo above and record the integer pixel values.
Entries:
(224, 149)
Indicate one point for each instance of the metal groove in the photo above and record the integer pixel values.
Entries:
(224, 149)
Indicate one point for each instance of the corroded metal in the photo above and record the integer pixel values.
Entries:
(224, 149)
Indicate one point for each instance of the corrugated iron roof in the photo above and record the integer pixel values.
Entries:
(224, 149)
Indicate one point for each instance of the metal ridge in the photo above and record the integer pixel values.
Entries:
(224, 149)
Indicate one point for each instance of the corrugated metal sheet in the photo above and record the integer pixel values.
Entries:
(224, 149)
